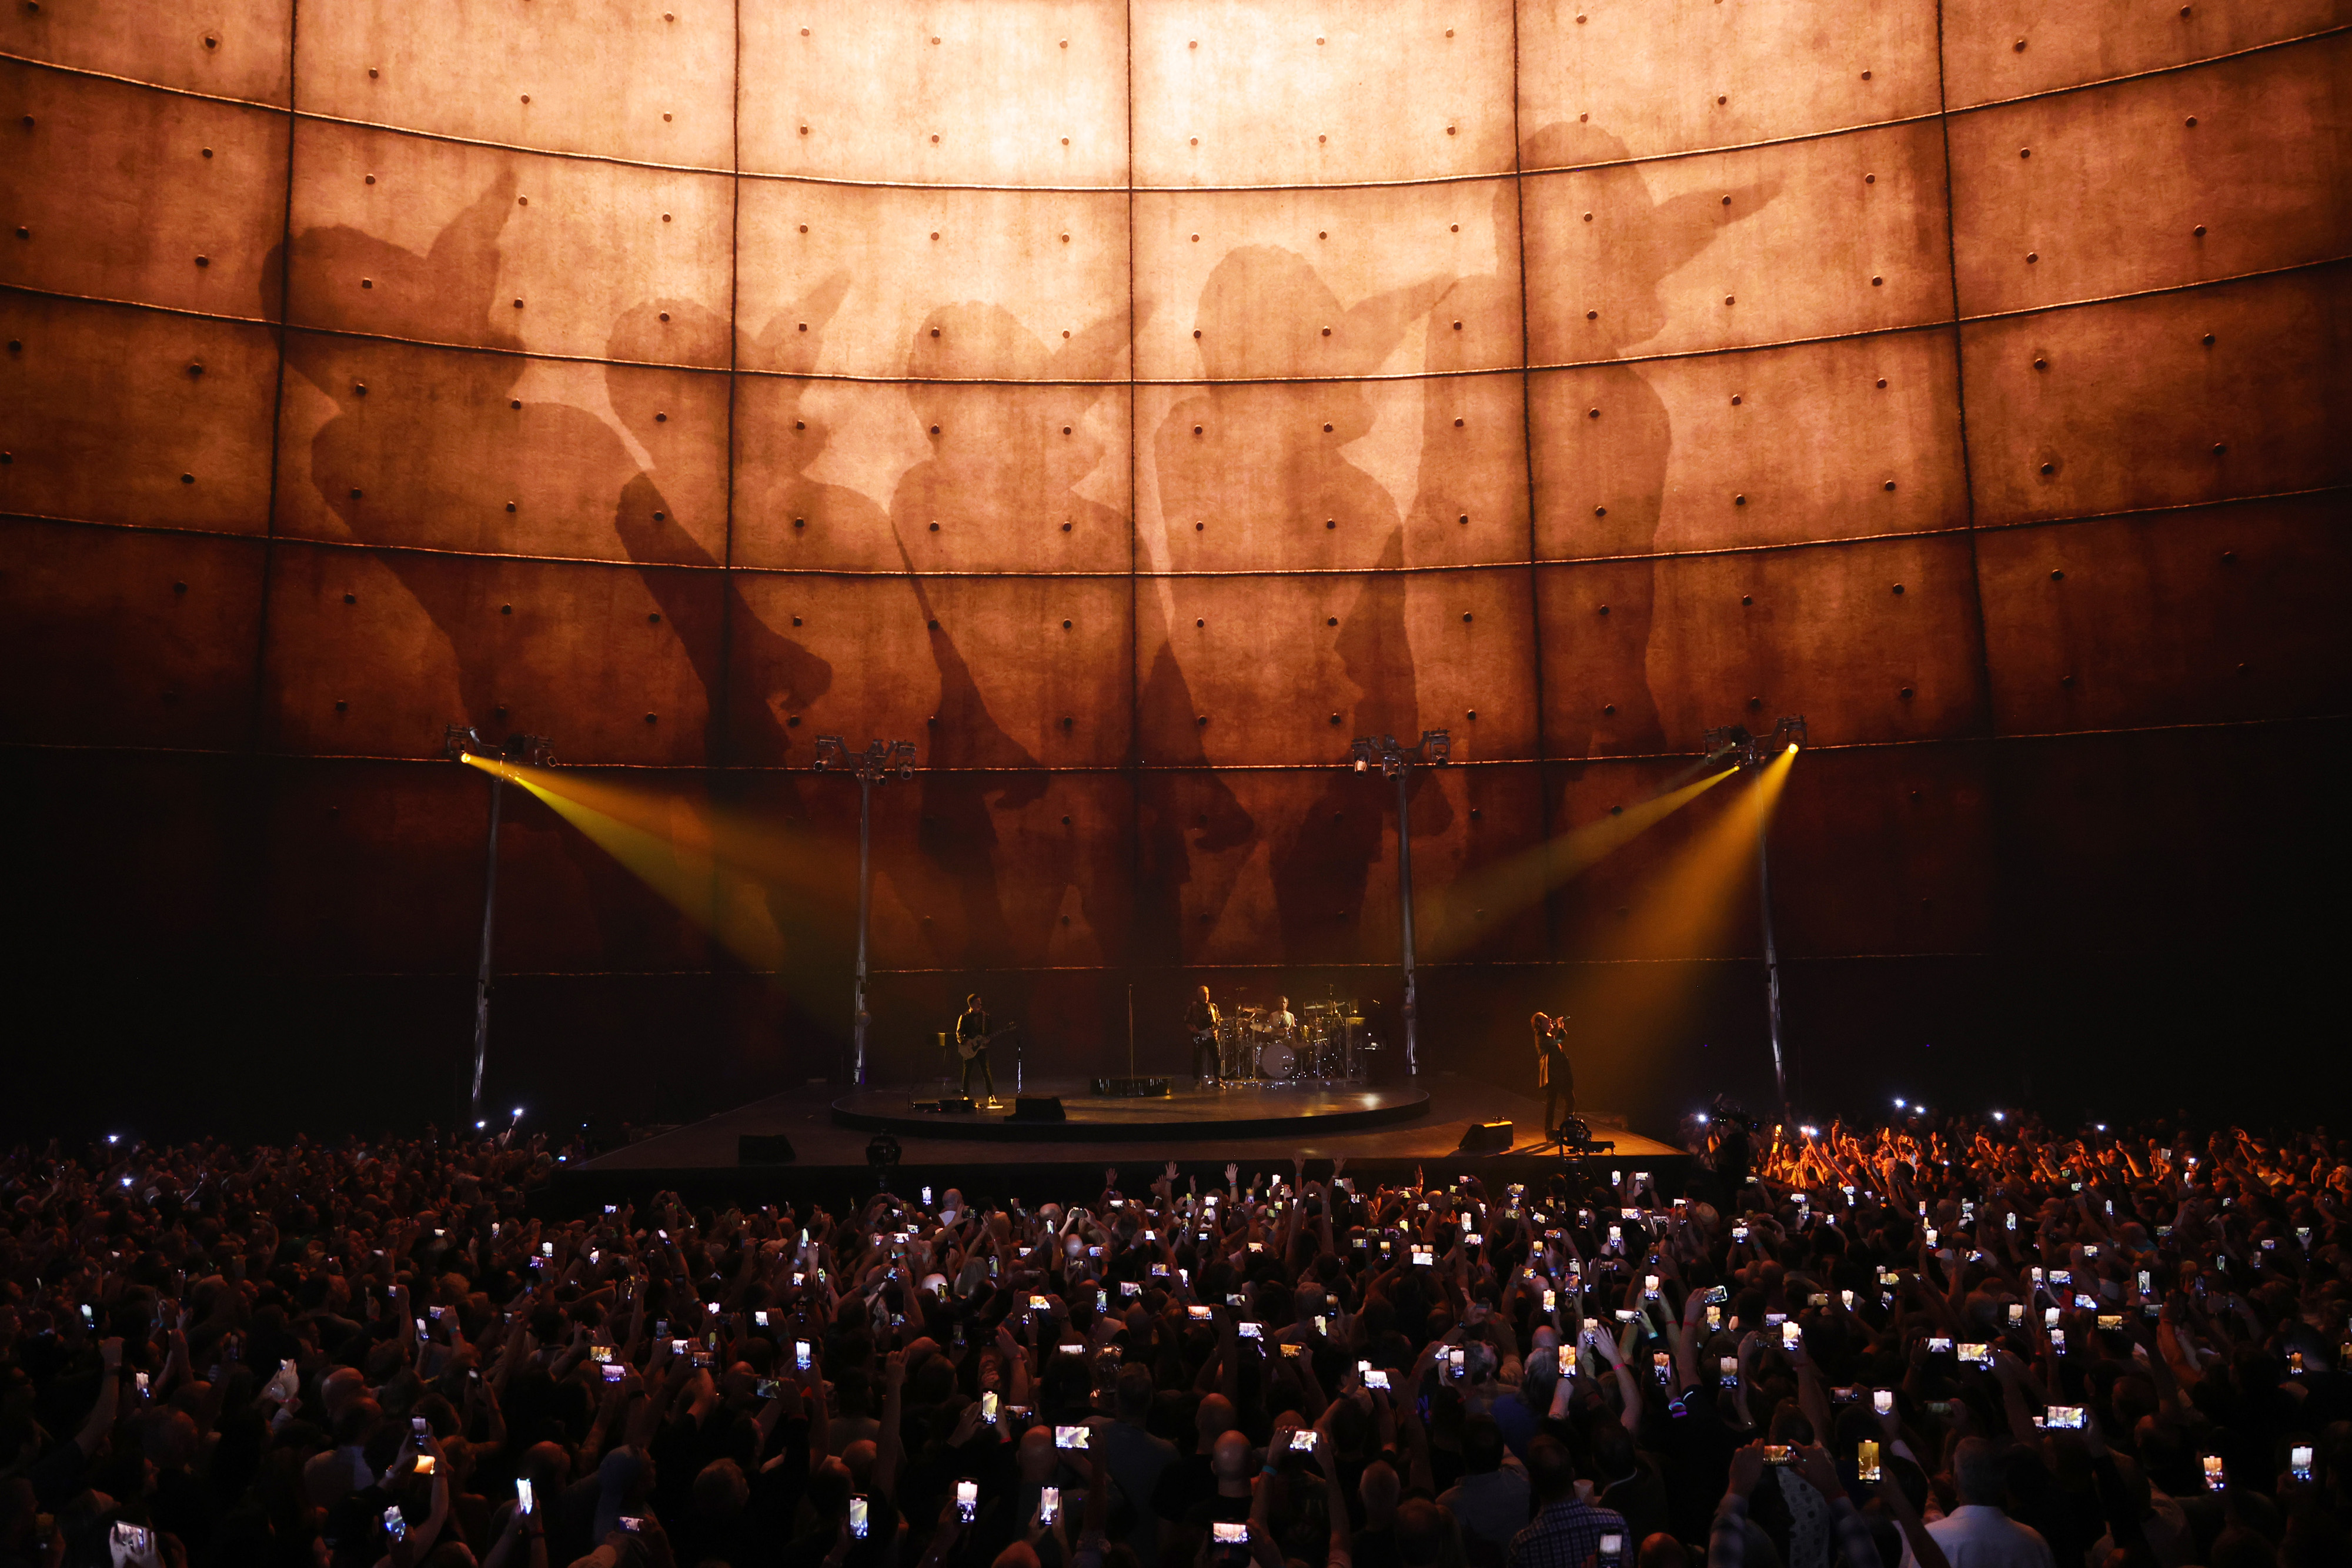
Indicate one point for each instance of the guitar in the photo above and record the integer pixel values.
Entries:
(968, 1048)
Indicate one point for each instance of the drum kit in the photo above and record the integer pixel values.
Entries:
(1324, 1044)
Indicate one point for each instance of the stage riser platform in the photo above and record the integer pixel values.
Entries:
(700, 1162)
(1183, 1116)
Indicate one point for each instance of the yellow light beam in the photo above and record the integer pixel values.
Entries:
(666, 840)
(1480, 904)
(1690, 913)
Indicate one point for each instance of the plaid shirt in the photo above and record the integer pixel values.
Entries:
(1566, 1535)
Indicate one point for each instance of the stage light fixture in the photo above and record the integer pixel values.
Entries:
(463, 743)
(881, 762)
(1435, 749)
(1743, 749)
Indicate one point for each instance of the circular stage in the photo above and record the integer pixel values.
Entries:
(1233, 1112)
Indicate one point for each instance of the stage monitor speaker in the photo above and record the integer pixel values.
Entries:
(763, 1149)
(952, 1104)
(1039, 1108)
(1130, 1088)
(1486, 1138)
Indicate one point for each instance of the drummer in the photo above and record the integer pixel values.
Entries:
(1281, 1020)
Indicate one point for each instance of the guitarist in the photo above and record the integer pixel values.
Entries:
(1201, 1020)
(972, 1042)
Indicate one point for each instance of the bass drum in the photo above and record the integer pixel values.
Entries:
(1278, 1061)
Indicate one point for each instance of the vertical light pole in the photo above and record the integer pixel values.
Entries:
(1754, 751)
(462, 743)
(878, 763)
(1435, 746)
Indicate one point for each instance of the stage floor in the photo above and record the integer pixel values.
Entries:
(702, 1161)
(1292, 1111)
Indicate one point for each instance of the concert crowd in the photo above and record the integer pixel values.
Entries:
(1929, 1344)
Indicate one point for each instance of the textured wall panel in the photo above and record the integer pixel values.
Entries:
(1636, 459)
(1247, 477)
(116, 190)
(1672, 78)
(237, 48)
(624, 80)
(2199, 616)
(409, 238)
(1733, 248)
(106, 407)
(2008, 48)
(846, 475)
(1239, 286)
(2077, 435)
(1885, 850)
(1258, 92)
(1262, 662)
(1824, 634)
(607, 462)
(979, 870)
(1028, 93)
(2230, 167)
(128, 639)
(1281, 865)
(979, 671)
(853, 280)
(409, 641)
(2182, 847)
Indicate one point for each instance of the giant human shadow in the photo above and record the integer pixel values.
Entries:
(758, 677)
(430, 446)
(999, 461)
(1609, 658)
(1240, 448)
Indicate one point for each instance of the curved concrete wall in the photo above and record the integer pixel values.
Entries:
(1131, 403)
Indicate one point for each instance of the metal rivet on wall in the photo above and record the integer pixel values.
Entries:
(1898, 588)
(1466, 617)
(351, 598)
(1890, 484)
(2057, 575)
(1740, 500)
(1609, 709)
(1464, 517)
(187, 478)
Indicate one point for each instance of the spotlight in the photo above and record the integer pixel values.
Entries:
(1998, 1116)
(1702, 1118)
(126, 1181)
(2101, 1125)
(1899, 1105)
(113, 1137)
